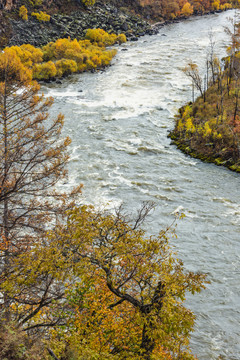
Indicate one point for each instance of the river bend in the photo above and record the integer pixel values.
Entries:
(118, 121)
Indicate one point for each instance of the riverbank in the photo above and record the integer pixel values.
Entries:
(75, 24)
(209, 128)
(73, 20)
(194, 153)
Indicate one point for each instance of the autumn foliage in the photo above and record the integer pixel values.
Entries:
(209, 128)
(42, 16)
(23, 13)
(66, 56)
(110, 291)
(88, 2)
(177, 8)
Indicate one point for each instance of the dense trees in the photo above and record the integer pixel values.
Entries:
(210, 127)
(176, 8)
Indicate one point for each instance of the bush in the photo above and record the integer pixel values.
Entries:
(28, 54)
(66, 67)
(42, 16)
(102, 38)
(121, 38)
(44, 71)
(88, 2)
(23, 13)
(66, 56)
(82, 54)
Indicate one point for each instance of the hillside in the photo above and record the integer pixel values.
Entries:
(72, 18)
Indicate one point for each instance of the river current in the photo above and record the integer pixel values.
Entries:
(118, 121)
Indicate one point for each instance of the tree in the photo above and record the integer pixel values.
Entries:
(33, 159)
(187, 9)
(139, 282)
(191, 70)
(234, 33)
(111, 291)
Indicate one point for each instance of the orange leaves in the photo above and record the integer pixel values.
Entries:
(16, 71)
(4, 243)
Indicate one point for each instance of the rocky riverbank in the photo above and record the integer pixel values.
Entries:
(74, 25)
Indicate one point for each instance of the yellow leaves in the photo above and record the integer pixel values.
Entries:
(185, 122)
(190, 126)
(66, 67)
(117, 284)
(121, 38)
(88, 2)
(42, 16)
(187, 9)
(63, 57)
(23, 13)
(216, 5)
(187, 112)
(225, 6)
(15, 69)
(45, 70)
(102, 38)
(72, 55)
(207, 131)
(28, 54)
(137, 268)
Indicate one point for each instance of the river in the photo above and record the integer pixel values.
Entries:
(118, 121)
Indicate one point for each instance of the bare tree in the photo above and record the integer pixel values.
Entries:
(33, 157)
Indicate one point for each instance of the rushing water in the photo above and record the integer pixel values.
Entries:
(118, 121)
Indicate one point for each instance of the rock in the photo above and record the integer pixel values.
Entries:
(75, 25)
(124, 26)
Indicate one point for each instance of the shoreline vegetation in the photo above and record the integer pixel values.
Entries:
(39, 22)
(208, 128)
(65, 56)
(74, 40)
